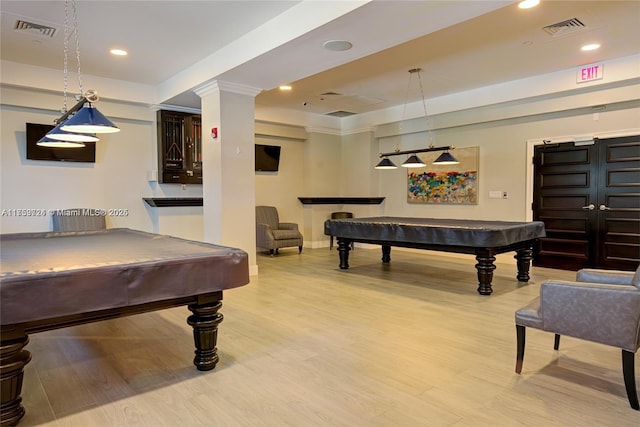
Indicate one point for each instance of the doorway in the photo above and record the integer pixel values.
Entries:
(588, 196)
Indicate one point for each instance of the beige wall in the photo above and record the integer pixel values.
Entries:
(118, 179)
(314, 162)
(282, 189)
(503, 159)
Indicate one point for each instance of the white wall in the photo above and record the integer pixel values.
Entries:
(503, 160)
(282, 188)
(318, 162)
(55, 185)
(308, 167)
(502, 167)
(118, 179)
(324, 165)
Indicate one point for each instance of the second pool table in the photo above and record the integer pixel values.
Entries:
(483, 238)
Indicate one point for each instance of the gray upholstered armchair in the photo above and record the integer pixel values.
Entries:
(271, 234)
(601, 306)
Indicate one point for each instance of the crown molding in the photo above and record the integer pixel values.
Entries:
(222, 86)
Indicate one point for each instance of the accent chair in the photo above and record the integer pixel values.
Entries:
(78, 219)
(601, 306)
(271, 234)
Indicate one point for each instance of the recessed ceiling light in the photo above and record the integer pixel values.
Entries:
(337, 45)
(588, 47)
(285, 87)
(118, 52)
(528, 4)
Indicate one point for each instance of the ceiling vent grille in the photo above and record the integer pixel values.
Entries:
(340, 113)
(35, 29)
(564, 27)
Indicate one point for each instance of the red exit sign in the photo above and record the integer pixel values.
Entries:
(589, 73)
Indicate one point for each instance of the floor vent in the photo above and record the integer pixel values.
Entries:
(564, 27)
(35, 29)
(340, 113)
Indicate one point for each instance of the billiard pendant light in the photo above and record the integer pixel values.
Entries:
(58, 138)
(413, 161)
(83, 119)
(446, 159)
(385, 163)
(89, 120)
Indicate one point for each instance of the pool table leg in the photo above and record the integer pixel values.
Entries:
(386, 254)
(523, 258)
(344, 246)
(205, 320)
(13, 359)
(485, 267)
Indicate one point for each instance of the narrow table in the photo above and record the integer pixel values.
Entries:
(54, 280)
(485, 239)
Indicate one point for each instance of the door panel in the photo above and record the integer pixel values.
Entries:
(564, 187)
(619, 203)
(589, 199)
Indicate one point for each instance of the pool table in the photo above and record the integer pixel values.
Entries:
(53, 280)
(485, 239)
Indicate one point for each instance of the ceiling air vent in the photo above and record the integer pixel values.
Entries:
(564, 27)
(340, 113)
(35, 29)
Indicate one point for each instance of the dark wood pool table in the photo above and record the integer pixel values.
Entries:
(485, 239)
(55, 280)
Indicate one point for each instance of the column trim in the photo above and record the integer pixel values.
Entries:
(219, 85)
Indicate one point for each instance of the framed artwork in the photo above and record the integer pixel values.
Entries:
(445, 184)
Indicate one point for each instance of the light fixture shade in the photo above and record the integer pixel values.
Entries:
(53, 143)
(446, 159)
(58, 134)
(89, 120)
(413, 162)
(385, 163)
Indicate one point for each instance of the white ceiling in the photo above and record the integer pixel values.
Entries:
(460, 45)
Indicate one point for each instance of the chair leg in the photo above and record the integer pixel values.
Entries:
(628, 372)
(521, 335)
(300, 249)
(330, 242)
(556, 342)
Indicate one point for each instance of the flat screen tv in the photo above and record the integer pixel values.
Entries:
(36, 131)
(267, 158)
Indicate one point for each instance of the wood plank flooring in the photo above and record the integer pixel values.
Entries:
(305, 344)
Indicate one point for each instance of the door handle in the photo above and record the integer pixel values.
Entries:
(590, 207)
(604, 208)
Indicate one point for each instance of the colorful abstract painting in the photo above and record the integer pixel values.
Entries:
(445, 184)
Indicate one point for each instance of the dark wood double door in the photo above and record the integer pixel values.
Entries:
(589, 200)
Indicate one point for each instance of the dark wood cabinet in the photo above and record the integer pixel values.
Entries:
(179, 147)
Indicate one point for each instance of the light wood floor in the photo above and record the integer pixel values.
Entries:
(305, 344)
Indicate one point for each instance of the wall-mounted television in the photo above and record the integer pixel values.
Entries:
(36, 131)
(267, 158)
